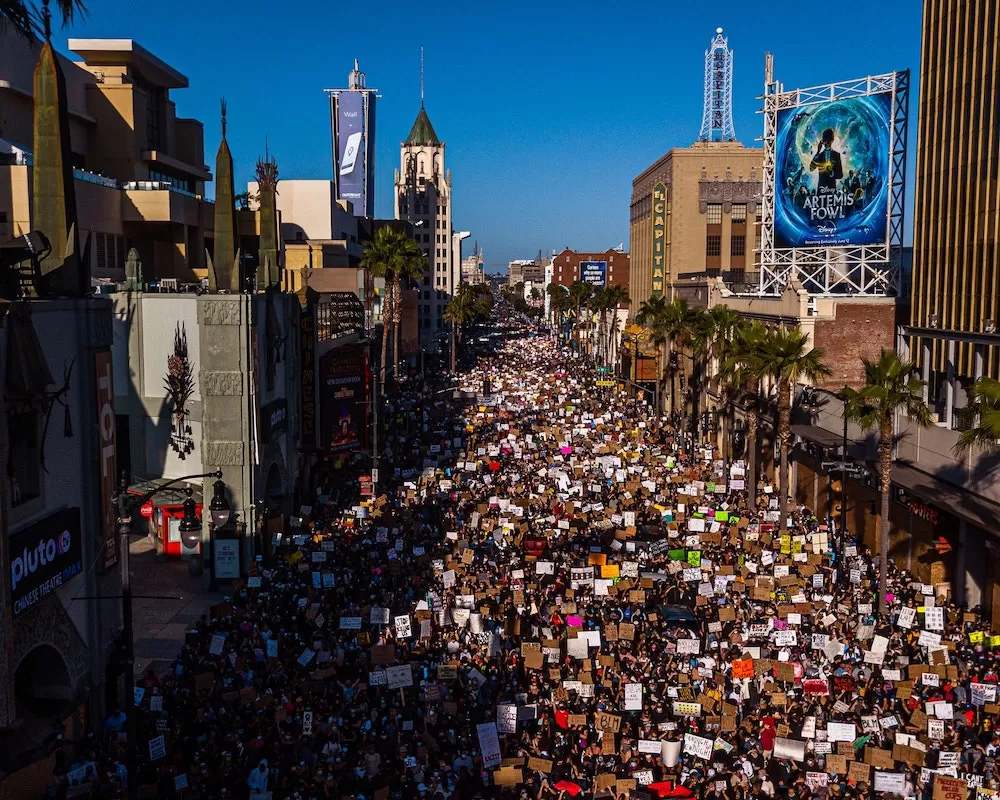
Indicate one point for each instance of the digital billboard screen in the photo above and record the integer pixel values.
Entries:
(594, 272)
(351, 149)
(833, 172)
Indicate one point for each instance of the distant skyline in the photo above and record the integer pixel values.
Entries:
(548, 110)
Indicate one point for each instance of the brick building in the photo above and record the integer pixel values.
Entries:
(566, 267)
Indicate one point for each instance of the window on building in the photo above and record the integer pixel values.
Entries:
(713, 246)
(738, 245)
(713, 214)
(24, 463)
(439, 323)
(739, 213)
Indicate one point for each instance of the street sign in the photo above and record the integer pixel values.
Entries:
(366, 486)
(605, 383)
(374, 477)
(603, 370)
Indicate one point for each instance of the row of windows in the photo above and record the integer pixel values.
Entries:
(713, 245)
(713, 213)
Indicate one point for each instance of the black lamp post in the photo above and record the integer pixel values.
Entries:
(190, 527)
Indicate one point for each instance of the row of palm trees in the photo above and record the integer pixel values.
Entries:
(469, 305)
(585, 305)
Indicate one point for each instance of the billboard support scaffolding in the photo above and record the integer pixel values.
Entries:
(866, 257)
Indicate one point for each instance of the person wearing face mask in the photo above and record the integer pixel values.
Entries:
(257, 780)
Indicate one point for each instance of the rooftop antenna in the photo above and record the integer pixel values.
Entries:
(421, 76)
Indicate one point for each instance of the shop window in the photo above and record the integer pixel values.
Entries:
(24, 462)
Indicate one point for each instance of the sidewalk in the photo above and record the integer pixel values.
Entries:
(160, 624)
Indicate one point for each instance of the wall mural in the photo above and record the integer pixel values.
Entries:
(179, 384)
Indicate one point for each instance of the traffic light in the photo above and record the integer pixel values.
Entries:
(942, 546)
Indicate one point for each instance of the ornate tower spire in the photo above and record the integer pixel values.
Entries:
(223, 270)
(421, 76)
(267, 187)
(64, 270)
(717, 116)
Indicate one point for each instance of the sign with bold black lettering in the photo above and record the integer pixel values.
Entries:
(44, 557)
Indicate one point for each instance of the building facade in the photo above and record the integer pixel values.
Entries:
(610, 268)
(139, 169)
(472, 268)
(527, 270)
(694, 210)
(422, 197)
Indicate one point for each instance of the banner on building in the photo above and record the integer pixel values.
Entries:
(352, 149)
(833, 172)
(594, 272)
(659, 236)
(107, 457)
(343, 399)
(43, 557)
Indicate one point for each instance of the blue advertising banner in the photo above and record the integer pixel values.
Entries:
(594, 272)
(832, 179)
(43, 557)
(351, 144)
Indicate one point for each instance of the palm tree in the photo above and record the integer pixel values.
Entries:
(743, 381)
(558, 300)
(889, 389)
(579, 294)
(411, 269)
(465, 306)
(984, 403)
(26, 19)
(786, 358)
(383, 257)
(599, 305)
(671, 323)
(393, 256)
(615, 296)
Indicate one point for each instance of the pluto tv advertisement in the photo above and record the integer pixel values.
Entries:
(832, 162)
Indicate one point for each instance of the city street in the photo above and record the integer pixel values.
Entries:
(547, 596)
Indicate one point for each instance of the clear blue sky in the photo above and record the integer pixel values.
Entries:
(548, 108)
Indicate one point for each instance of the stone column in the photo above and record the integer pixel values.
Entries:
(226, 375)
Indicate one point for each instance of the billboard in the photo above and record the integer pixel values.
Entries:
(44, 557)
(594, 272)
(352, 150)
(343, 399)
(833, 172)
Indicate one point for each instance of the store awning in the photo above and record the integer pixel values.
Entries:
(821, 436)
(173, 496)
(972, 508)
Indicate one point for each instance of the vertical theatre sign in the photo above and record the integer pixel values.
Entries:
(106, 430)
(307, 352)
(659, 236)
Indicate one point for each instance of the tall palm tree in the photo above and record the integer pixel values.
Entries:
(27, 19)
(411, 269)
(465, 306)
(742, 378)
(599, 304)
(579, 294)
(984, 402)
(557, 297)
(889, 389)
(383, 258)
(616, 297)
(786, 358)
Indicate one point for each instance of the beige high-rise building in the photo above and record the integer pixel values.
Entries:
(694, 211)
(423, 198)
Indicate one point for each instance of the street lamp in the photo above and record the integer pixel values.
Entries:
(219, 508)
(190, 527)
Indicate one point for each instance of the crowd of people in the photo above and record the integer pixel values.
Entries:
(550, 595)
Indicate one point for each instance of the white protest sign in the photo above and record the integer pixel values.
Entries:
(633, 697)
(157, 748)
(698, 746)
(507, 718)
(402, 624)
(399, 677)
(489, 744)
